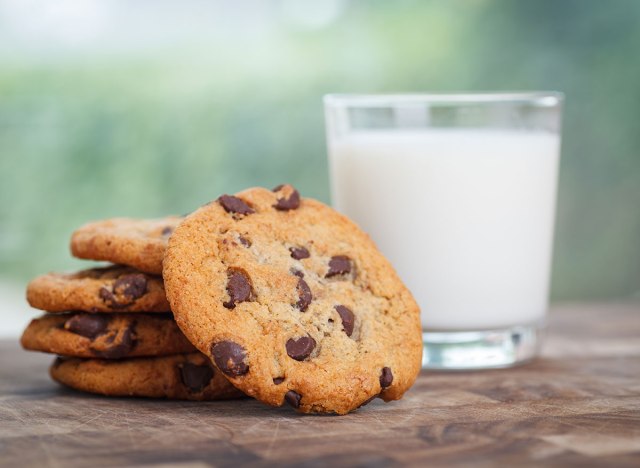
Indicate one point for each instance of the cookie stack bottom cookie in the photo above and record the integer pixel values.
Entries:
(114, 333)
(178, 377)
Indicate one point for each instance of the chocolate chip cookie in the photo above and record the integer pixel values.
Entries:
(293, 302)
(139, 243)
(177, 377)
(111, 289)
(109, 336)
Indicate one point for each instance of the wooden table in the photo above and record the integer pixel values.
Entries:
(578, 405)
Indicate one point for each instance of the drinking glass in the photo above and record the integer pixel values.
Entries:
(458, 191)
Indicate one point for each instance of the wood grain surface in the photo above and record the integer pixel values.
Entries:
(578, 405)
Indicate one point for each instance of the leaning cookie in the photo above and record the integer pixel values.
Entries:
(177, 377)
(293, 302)
(110, 336)
(111, 289)
(139, 243)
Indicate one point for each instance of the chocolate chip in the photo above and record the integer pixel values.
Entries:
(287, 203)
(108, 298)
(386, 377)
(299, 253)
(233, 204)
(278, 380)
(339, 265)
(132, 286)
(348, 319)
(125, 291)
(293, 398)
(301, 348)
(87, 325)
(297, 273)
(229, 357)
(119, 350)
(166, 231)
(277, 188)
(238, 288)
(244, 241)
(195, 377)
(304, 293)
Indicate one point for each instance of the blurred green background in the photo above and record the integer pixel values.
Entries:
(119, 108)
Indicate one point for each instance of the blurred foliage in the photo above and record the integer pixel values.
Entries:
(98, 133)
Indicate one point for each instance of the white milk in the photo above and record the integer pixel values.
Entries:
(465, 216)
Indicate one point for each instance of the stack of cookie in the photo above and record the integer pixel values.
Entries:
(112, 327)
(286, 300)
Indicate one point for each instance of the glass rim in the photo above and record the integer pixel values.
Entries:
(534, 98)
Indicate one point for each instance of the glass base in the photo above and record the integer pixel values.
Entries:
(484, 349)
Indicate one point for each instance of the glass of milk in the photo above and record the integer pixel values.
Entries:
(458, 191)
